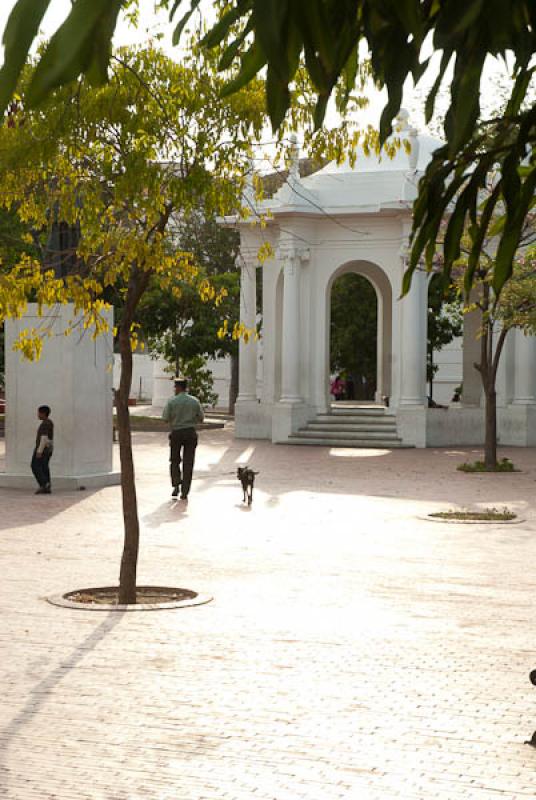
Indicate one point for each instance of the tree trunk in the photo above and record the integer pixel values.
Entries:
(129, 559)
(431, 382)
(233, 386)
(490, 441)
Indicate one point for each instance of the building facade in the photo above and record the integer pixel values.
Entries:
(357, 219)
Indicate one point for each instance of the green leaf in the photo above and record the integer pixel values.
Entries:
(462, 116)
(467, 17)
(221, 28)
(271, 23)
(183, 20)
(409, 12)
(478, 237)
(81, 44)
(513, 230)
(350, 72)
(389, 112)
(277, 98)
(230, 52)
(320, 110)
(432, 94)
(519, 92)
(252, 61)
(20, 31)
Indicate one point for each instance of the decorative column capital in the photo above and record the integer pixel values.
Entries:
(249, 258)
(291, 254)
(404, 252)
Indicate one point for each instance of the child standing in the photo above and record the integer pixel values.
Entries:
(43, 450)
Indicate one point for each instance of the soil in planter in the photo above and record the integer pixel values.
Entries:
(145, 595)
(486, 515)
(504, 465)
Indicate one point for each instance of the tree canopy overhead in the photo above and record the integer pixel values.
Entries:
(120, 163)
(278, 37)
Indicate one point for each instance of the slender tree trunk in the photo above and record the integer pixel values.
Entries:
(233, 386)
(129, 559)
(488, 370)
(176, 352)
(139, 280)
(431, 382)
(490, 441)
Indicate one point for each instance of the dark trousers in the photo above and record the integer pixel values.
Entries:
(40, 467)
(182, 446)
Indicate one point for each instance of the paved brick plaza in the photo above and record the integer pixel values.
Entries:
(351, 651)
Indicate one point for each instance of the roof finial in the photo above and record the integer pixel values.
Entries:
(402, 120)
(413, 156)
(294, 167)
(249, 193)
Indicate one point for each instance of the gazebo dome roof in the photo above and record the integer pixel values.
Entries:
(373, 184)
(383, 163)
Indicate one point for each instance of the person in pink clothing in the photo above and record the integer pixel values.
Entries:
(338, 387)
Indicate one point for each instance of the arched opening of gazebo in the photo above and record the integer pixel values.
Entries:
(353, 339)
(359, 330)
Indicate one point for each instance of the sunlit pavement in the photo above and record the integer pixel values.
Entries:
(352, 650)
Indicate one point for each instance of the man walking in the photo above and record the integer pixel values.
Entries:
(43, 450)
(182, 412)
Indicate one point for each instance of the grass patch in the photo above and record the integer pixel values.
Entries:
(504, 465)
(138, 423)
(150, 424)
(485, 515)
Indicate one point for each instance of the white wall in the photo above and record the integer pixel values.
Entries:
(221, 372)
(450, 372)
(142, 375)
(74, 378)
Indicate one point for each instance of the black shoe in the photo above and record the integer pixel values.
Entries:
(42, 490)
(175, 491)
(184, 497)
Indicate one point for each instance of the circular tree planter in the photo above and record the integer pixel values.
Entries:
(150, 598)
(479, 517)
(503, 467)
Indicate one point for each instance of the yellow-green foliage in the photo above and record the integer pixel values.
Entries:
(121, 162)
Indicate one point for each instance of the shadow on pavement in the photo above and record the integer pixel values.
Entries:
(41, 692)
(22, 509)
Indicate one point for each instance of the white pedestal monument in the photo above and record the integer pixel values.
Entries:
(74, 378)
(163, 386)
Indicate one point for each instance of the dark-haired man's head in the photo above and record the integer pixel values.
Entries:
(43, 412)
(181, 385)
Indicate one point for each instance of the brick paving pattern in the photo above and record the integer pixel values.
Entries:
(352, 650)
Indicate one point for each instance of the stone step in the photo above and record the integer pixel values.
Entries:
(367, 412)
(350, 430)
(359, 434)
(343, 425)
(349, 442)
(350, 427)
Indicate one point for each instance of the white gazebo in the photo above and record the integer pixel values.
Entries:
(357, 219)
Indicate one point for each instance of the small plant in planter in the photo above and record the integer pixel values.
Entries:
(483, 515)
(504, 465)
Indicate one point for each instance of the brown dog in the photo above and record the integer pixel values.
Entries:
(246, 476)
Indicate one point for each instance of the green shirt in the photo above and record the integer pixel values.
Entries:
(183, 411)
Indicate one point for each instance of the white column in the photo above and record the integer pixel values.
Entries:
(74, 378)
(290, 366)
(413, 344)
(378, 397)
(471, 380)
(247, 351)
(525, 369)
